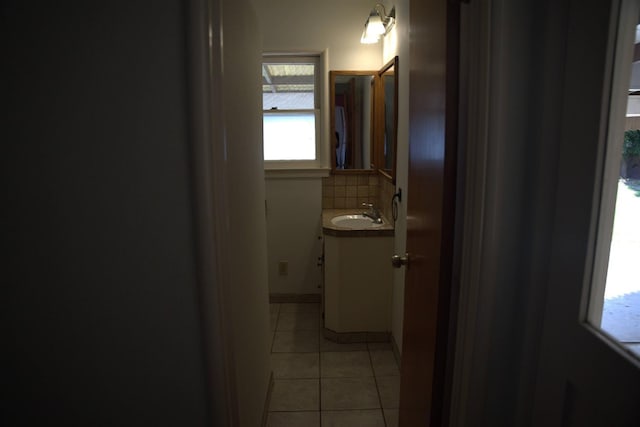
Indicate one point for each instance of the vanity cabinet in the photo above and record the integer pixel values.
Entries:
(358, 280)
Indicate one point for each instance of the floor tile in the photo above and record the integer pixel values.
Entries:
(349, 393)
(294, 419)
(367, 417)
(295, 395)
(328, 345)
(374, 337)
(379, 346)
(300, 308)
(345, 364)
(295, 341)
(391, 417)
(273, 321)
(384, 363)
(295, 365)
(389, 389)
(274, 308)
(298, 321)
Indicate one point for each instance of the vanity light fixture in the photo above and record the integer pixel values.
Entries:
(378, 24)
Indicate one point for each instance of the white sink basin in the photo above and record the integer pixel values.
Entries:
(354, 222)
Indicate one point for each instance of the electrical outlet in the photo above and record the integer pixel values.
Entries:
(283, 268)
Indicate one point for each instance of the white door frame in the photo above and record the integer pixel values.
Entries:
(210, 187)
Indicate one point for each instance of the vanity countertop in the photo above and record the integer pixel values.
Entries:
(333, 230)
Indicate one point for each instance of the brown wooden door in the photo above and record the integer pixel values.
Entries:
(433, 113)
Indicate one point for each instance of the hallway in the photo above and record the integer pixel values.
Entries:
(318, 382)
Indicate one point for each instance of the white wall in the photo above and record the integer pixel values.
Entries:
(294, 25)
(293, 204)
(334, 26)
(397, 43)
(100, 317)
(102, 291)
(247, 252)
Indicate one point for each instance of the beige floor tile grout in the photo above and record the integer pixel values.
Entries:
(320, 373)
(320, 378)
(375, 379)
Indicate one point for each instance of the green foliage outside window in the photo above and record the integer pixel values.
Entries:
(631, 147)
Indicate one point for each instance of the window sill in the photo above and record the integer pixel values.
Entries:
(277, 173)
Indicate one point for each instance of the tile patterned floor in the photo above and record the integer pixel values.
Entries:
(320, 383)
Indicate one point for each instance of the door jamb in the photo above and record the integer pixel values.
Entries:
(209, 188)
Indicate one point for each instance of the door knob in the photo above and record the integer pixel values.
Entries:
(398, 260)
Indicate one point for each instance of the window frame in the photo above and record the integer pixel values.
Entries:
(279, 167)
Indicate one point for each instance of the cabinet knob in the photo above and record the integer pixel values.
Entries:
(399, 260)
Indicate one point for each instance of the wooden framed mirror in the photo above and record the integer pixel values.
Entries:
(364, 120)
(387, 120)
(352, 100)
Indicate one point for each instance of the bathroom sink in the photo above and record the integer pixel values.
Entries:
(355, 222)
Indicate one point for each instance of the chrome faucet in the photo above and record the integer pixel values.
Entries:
(373, 213)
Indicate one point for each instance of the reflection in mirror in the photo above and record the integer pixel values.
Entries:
(352, 94)
(388, 118)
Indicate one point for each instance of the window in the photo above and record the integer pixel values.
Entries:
(615, 290)
(291, 113)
